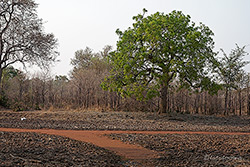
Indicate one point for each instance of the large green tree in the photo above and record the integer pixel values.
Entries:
(157, 50)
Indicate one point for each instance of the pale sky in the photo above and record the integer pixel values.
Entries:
(80, 23)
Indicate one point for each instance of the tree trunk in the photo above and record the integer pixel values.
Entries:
(1, 86)
(240, 105)
(248, 104)
(186, 103)
(196, 103)
(168, 102)
(248, 98)
(201, 103)
(163, 99)
(218, 103)
(229, 102)
(79, 95)
(205, 103)
(226, 98)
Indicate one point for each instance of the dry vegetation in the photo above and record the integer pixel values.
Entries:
(82, 90)
(91, 120)
(191, 108)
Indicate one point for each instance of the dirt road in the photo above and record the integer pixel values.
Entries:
(128, 151)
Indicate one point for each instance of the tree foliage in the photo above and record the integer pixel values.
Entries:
(157, 50)
(82, 91)
(232, 74)
(22, 36)
(82, 58)
(232, 67)
(87, 59)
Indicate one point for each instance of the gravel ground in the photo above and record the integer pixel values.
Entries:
(121, 121)
(31, 149)
(193, 150)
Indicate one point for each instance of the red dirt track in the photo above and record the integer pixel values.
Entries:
(125, 150)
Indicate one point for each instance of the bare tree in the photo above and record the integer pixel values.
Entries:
(22, 38)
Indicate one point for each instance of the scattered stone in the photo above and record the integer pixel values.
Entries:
(121, 121)
(50, 150)
(30, 149)
(193, 150)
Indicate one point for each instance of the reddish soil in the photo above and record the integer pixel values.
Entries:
(129, 151)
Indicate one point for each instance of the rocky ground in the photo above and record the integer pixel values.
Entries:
(193, 150)
(31, 149)
(121, 121)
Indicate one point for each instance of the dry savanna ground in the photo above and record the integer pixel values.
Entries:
(32, 149)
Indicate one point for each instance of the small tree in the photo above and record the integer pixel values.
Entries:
(8, 74)
(87, 59)
(232, 73)
(22, 38)
(87, 75)
(82, 59)
(157, 50)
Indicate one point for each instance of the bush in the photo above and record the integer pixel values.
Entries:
(4, 101)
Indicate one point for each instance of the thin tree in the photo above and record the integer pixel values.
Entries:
(231, 72)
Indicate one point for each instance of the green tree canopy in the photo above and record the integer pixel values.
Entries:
(231, 72)
(157, 50)
(231, 67)
(83, 58)
(87, 59)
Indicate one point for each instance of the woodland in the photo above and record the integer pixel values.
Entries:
(163, 63)
(162, 96)
(82, 90)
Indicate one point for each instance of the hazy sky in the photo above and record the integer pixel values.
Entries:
(80, 23)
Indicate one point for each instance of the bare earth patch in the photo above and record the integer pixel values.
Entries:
(121, 121)
(34, 149)
(219, 141)
(146, 148)
(193, 149)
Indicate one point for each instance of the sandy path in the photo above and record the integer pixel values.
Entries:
(125, 150)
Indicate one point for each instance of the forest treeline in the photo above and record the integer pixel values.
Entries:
(162, 63)
(82, 90)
